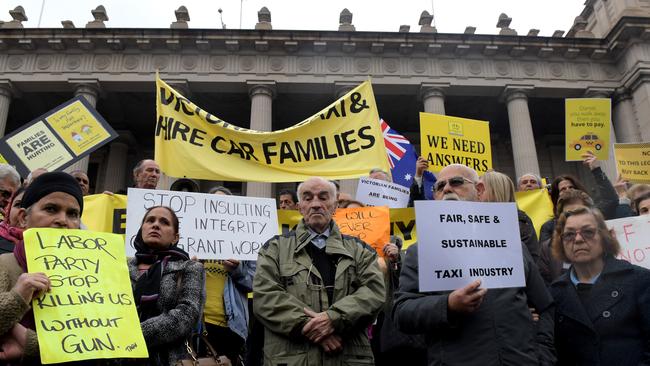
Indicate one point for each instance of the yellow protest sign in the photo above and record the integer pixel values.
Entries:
(370, 224)
(288, 220)
(448, 140)
(89, 313)
(105, 213)
(587, 122)
(633, 161)
(342, 141)
(402, 224)
(78, 127)
(37, 147)
(537, 205)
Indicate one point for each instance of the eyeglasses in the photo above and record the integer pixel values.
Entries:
(569, 237)
(315, 287)
(453, 182)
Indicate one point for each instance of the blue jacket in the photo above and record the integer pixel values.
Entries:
(614, 329)
(235, 297)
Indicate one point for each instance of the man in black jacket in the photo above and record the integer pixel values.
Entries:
(470, 325)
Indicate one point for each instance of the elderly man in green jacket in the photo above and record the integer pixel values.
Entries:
(316, 290)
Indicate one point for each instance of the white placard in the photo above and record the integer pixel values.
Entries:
(211, 226)
(459, 242)
(633, 233)
(375, 192)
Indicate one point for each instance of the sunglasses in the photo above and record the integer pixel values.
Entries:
(453, 182)
(569, 237)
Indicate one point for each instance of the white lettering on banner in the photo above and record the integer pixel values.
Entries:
(375, 192)
(211, 226)
(633, 233)
(463, 241)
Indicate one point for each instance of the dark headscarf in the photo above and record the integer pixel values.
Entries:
(52, 182)
(147, 287)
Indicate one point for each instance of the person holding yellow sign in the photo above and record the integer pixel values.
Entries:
(51, 200)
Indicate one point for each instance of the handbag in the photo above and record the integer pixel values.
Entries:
(212, 359)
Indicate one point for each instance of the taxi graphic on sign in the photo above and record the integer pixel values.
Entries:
(587, 141)
(455, 128)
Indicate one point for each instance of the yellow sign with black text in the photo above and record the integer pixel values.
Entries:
(446, 140)
(89, 312)
(587, 124)
(342, 141)
(537, 205)
(633, 161)
(105, 213)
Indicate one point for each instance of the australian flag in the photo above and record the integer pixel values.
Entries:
(402, 159)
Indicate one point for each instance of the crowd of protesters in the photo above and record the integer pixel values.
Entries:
(320, 297)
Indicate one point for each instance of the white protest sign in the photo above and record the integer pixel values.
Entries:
(459, 242)
(375, 192)
(633, 233)
(211, 226)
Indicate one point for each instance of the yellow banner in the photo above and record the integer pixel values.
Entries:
(370, 224)
(633, 161)
(288, 220)
(446, 140)
(105, 213)
(402, 224)
(537, 205)
(587, 122)
(342, 141)
(89, 313)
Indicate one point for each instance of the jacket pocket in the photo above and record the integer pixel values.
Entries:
(358, 360)
(293, 360)
(294, 280)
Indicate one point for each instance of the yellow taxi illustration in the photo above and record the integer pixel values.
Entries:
(587, 141)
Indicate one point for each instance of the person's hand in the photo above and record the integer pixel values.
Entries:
(230, 264)
(621, 186)
(467, 299)
(420, 166)
(533, 312)
(332, 344)
(391, 251)
(12, 345)
(590, 160)
(29, 284)
(318, 327)
(109, 193)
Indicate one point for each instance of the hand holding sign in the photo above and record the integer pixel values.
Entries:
(590, 160)
(467, 299)
(30, 284)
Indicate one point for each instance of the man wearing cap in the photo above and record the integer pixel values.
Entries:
(51, 200)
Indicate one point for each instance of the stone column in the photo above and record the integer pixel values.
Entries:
(348, 186)
(6, 93)
(521, 131)
(116, 169)
(624, 118)
(261, 94)
(433, 97)
(608, 166)
(89, 90)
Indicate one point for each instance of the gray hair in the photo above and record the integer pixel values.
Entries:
(329, 183)
(8, 171)
(537, 178)
(221, 189)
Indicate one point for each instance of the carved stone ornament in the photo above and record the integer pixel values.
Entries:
(247, 63)
(502, 68)
(391, 65)
(419, 65)
(276, 63)
(189, 62)
(530, 68)
(43, 62)
(557, 69)
(15, 62)
(305, 64)
(131, 62)
(584, 71)
(447, 67)
(334, 64)
(218, 62)
(474, 67)
(160, 62)
(362, 64)
(72, 62)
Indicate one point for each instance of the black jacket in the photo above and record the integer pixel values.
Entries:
(6, 246)
(500, 332)
(614, 329)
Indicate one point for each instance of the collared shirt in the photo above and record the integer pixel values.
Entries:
(319, 240)
(576, 281)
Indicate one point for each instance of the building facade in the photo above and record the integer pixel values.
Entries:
(267, 79)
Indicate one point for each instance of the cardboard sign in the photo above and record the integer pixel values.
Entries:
(402, 224)
(633, 161)
(633, 233)
(375, 192)
(105, 213)
(89, 313)
(537, 205)
(370, 224)
(211, 226)
(448, 140)
(58, 138)
(587, 122)
(463, 241)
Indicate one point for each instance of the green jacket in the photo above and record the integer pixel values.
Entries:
(281, 292)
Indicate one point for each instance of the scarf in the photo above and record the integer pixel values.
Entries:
(147, 286)
(11, 233)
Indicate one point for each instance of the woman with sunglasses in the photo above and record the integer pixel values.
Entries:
(602, 303)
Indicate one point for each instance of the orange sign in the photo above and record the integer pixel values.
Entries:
(370, 224)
